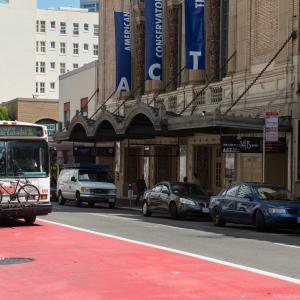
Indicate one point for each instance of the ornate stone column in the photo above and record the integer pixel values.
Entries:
(212, 43)
(172, 45)
(138, 48)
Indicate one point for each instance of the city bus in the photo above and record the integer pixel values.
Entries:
(24, 171)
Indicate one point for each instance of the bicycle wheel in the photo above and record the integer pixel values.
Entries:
(28, 193)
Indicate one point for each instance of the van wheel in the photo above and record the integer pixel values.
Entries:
(91, 204)
(111, 204)
(78, 200)
(61, 199)
(30, 220)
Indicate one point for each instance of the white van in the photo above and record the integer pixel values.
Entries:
(91, 184)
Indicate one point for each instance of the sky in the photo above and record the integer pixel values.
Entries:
(58, 3)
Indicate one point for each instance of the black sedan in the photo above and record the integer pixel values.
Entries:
(177, 199)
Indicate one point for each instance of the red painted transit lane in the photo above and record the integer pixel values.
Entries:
(72, 264)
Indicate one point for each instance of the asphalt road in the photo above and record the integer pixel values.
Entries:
(277, 252)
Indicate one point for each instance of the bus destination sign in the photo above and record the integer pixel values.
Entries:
(21, 130)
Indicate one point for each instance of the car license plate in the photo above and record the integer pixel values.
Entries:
(298, 220)
(111, 200)
(205, 210)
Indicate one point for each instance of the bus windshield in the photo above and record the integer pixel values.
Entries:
(26, 157)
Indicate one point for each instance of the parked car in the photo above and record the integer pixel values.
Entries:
(177, 199)
(87, 183)
(259, 204)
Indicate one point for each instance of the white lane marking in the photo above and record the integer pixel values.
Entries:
(153, 225)
(286, 245)
(214, 260)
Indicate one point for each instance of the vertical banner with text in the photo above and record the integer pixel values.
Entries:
(154, 39)
(195, 34)
(123, 51)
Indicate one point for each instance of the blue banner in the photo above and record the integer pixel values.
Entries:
(154, 39)
(195, 34)
(123, 51)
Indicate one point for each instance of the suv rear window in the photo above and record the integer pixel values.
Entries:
(94, 175)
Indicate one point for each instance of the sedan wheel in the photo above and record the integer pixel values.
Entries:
(217, 217)
(174, 211)
(260, 222)
(146, 211)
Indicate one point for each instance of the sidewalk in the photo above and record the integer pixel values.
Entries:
(125, 204)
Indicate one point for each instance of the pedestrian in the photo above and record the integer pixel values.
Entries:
(185, 179)
(141, 187)
(196, 179)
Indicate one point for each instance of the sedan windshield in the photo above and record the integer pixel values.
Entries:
(275, 193)
(94, 175)
(187, 189)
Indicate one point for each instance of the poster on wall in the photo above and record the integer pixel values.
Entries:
(271, 126)
(123, 51)
(195, 34)
(154, 39)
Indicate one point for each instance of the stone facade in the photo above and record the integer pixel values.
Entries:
(32, 111)
(255, 31)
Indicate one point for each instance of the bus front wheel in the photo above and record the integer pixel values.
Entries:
(30, 220)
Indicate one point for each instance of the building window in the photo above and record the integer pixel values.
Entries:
(37, 26)
(75, 66)
(43, 46)
(66, 114)
(52, 85)
(37, 46)
(52, 25)
(43, 26)
(76, 49)
(42, 67)
(37, 67)
(75, 28)
(96, 29)
(52, 65)
(86, 27)
(96, 50)
(62, 68)
(63, 27)
(52, 45)
(36, 87)
(86, 47)
(84, 107)
(42, 87)
(62, 48)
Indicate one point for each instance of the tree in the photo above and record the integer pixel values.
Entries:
(3, 113)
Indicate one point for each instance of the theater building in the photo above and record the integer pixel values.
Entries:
(175, 110)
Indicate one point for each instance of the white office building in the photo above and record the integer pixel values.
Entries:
(39, 45)
(91, 5)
